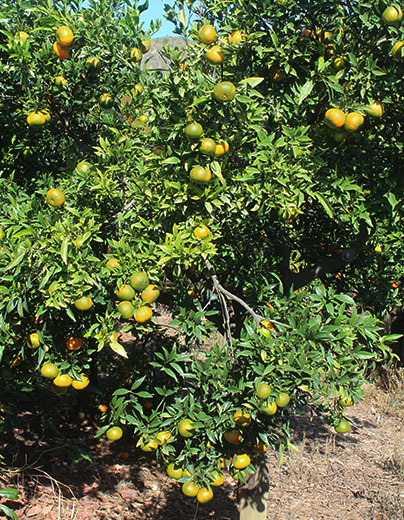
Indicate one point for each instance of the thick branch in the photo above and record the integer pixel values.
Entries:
(329, 264)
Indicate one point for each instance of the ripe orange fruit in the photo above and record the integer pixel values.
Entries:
(339, 64)
(61, 52)
(398, 50)
(150, 293)
(163, 437)
(64, 36)
(334, 118)
(186, 428)
(125, 292)
(242, 461)
(114, 433)
(145, 46)
(236, 37)
(36, 119)
(278, 76)
(217, 478)
(193, 131)
(135, 54)
(126, 310)
(190, 489)
(139, 281)
(392, 15)
(49, 370)
(233, 436)
(263, 390)
(353, 121)
(106, 100)
(174, 472)
(342, 426)
(84, 167)
(34, 340)
(201, 231)
(143, 314)
(394, 285)
(200, 175)
(55, 197)
(224, 91)
(282, 400)
(375, 109)
(103, 408)
(60, 82)
(113, 263)
(347, 401)
(21, 37)
(207, 33)
(80, 384)
(204, 495)
(269, 408)
(62, 380)
(74, 343)
(221, 148)
(84, 303)
(215, 55)
(242, 418)
(208, 146)
(93, 65)
(148, 446)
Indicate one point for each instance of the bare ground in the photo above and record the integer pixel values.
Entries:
(359, 476)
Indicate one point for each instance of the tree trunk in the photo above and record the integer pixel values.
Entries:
(253, 497)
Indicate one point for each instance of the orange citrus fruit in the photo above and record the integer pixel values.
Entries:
(201, 231)
(126, 310)
(207, 33)
(353, 121)
(215, 55)
(49, 370)
(204, 495)
(139, 281)
(334, 118)
(208, 146)
(114, 433)
(186, 428)
(143, 314)
(242, 461)
(80, 384)
(125, 292)
(62, 380)
(64, 36)
(74, 343)
(224, 91)
(55, 197)
(36, 119)
(199, 174)
(84, 303)
(61, 52)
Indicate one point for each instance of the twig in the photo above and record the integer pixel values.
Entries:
(224, 292)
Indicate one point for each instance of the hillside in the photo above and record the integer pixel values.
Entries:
(153, 58)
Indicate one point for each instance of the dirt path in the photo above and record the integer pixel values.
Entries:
(358, 476)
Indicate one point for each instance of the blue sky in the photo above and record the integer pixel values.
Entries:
(156, 10)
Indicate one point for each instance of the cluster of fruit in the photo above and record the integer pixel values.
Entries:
(64, 38)
(345, 124)
(63, 381)
(149, 293)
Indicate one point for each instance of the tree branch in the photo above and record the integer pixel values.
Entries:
(329, 264)
(224, 292)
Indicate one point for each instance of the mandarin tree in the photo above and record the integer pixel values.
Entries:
(257, 196)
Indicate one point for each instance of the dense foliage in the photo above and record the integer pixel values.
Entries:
(275, 260)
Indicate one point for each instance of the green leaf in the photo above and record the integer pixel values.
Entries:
(118, 348)
(9, 493)
(64, 249)
(306, 91)
(253, 82)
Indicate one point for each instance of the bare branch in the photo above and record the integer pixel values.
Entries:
(224, 292)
